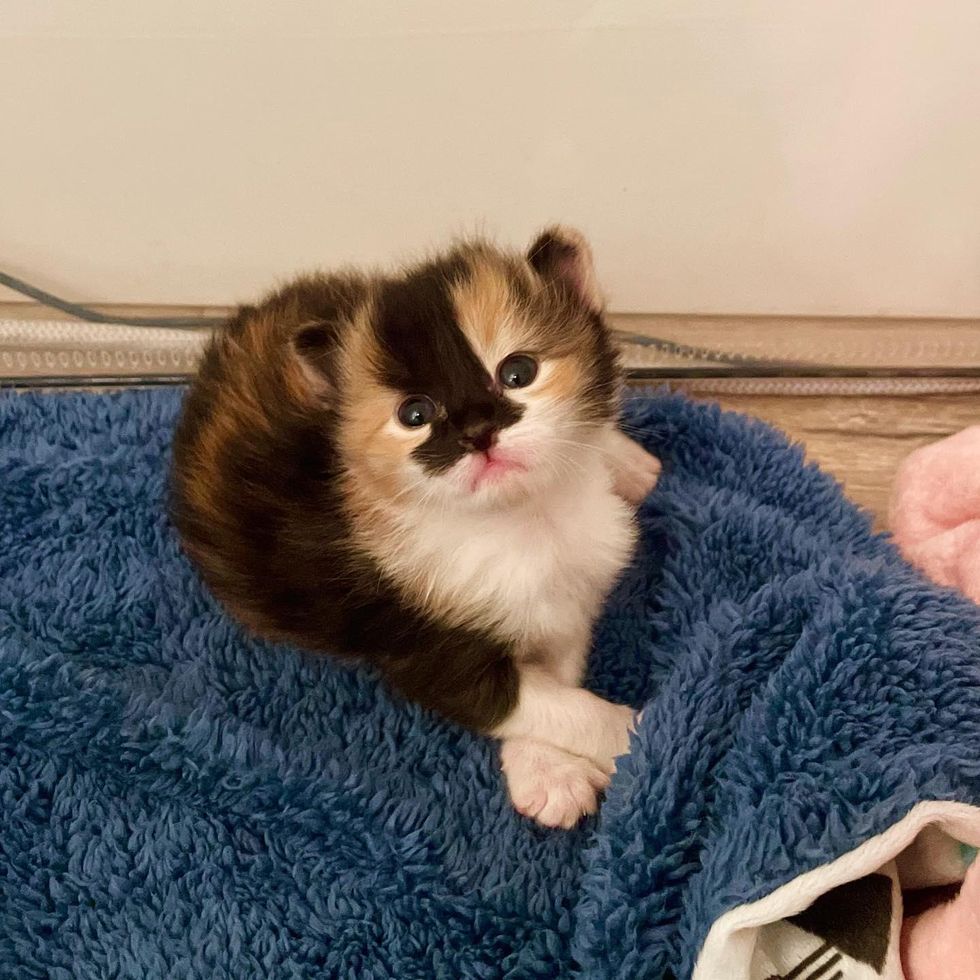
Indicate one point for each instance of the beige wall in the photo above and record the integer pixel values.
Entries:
(724, 155)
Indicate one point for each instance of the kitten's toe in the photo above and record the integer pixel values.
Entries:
(548, 785)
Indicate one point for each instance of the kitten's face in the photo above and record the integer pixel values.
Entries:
(479, 379)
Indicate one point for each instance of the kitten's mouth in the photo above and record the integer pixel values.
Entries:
(491, 466)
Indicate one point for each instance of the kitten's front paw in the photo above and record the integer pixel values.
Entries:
(635, 471)
(553, 787)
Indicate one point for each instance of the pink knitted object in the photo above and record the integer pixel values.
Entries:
(944, 943)
(935, 511)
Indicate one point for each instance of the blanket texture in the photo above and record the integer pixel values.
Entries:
(177, 800)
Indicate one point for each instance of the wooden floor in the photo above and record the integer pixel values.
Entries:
(860, 439)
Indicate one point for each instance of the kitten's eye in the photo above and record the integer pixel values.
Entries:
(416, 411)
(517, 371)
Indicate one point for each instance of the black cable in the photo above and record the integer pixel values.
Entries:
(196, 322)
(94, 316)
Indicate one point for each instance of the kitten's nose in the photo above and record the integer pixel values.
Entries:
(479, 438)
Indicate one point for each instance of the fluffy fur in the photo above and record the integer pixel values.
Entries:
(468, 556)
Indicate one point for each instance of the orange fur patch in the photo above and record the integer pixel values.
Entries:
(488, 313)
(564, 380)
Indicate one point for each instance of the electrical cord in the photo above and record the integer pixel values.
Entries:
(94, 316)
(196, 322)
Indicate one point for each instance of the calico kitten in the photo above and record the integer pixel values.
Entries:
(424, 471)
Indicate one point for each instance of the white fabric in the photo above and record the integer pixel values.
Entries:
(747, 944)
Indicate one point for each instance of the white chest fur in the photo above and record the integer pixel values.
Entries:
(536, 573)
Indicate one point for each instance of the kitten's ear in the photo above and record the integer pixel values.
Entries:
(562, 256)
(313, 345)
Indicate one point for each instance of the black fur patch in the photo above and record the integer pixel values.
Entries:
(426, 353)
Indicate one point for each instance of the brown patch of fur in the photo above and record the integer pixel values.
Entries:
(251, 386)
(564, 380)
(488, 314)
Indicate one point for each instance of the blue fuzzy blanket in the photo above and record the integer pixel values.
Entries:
(177, 800)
